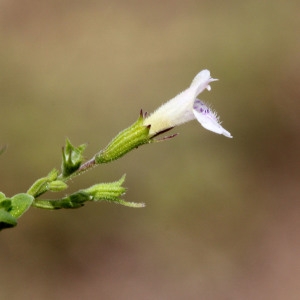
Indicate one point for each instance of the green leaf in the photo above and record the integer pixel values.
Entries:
(6, 220)
(20, 203)
(72, 158)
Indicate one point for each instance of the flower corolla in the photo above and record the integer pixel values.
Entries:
(186, 107)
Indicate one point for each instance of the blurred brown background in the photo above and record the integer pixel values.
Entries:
(222, 215)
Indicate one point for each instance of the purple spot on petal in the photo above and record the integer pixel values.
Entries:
(201, 107)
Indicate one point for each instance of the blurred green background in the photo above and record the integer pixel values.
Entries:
(222, 215)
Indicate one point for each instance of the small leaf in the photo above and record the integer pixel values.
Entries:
(6, 220)
(6, 204)
(20, 203)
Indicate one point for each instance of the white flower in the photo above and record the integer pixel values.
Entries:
(186, 107)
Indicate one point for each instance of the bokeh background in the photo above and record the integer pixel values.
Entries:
(222, 216)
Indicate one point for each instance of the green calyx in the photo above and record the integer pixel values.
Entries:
(72, 158)
(128, 139)
(111, 192)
